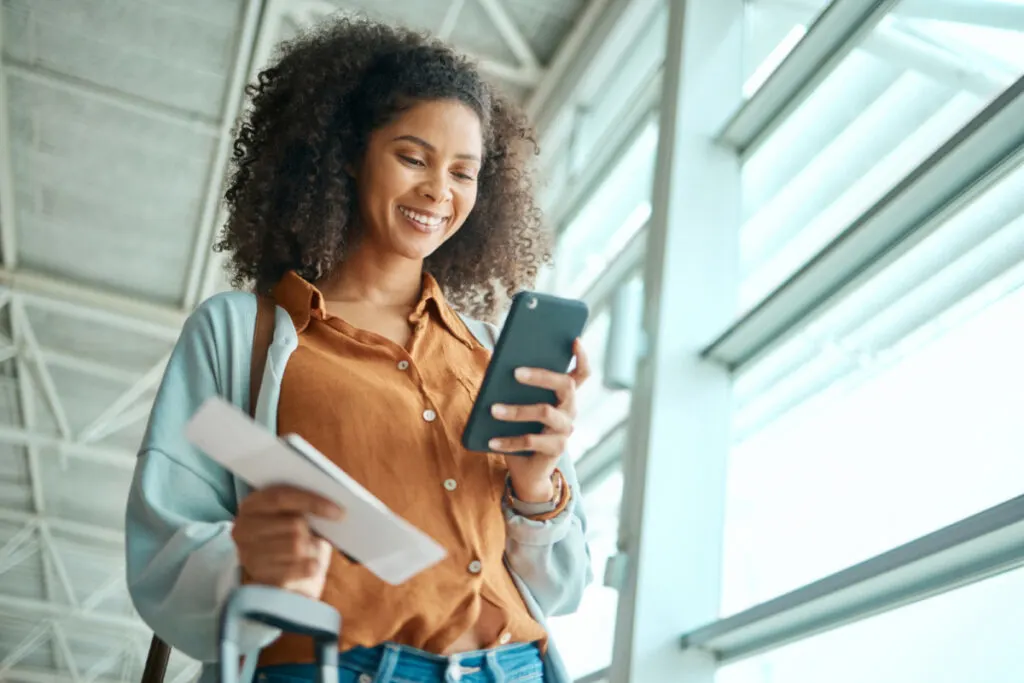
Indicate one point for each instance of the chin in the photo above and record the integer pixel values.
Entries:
(419, 245)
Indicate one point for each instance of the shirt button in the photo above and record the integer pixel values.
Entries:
(506, 638)
(365, 678)
(429, 415)
(403, 365)
(450, 484)
(475, 567)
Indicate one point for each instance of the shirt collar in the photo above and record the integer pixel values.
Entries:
(432, 300)
(304, 302)
(300, 299)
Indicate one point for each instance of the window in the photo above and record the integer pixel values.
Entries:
(892, 102)
(896, 413)
(966, 635)
(616, 211)
(601, 407)
(585, 638)
(771, 30)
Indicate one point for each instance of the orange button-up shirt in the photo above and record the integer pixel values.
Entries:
(392, 418)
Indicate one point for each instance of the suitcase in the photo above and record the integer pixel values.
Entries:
(281, 609)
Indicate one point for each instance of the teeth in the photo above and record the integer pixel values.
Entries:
(421, 219)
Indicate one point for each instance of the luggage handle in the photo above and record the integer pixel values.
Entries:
(285, 610)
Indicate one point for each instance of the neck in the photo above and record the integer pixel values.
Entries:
(369, 277)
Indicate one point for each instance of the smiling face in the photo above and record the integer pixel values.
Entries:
(418, 180)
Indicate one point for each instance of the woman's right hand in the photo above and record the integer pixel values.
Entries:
(276, 547)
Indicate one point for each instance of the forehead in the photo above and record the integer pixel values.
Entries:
(448, 125)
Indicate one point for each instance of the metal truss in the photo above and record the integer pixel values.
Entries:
(33, 373)
(63, 606)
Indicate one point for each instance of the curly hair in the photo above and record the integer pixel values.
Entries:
(293, 206)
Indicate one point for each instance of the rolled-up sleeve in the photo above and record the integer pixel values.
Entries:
(549, 551)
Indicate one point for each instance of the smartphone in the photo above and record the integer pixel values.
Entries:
(539, 333)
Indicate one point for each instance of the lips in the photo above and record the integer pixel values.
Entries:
(423, 220)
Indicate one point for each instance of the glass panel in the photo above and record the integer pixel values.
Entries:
(771, 30)
(614, 213)
(888, 105)
(888, 442)
(971, 634)
(600, 408)
(585, 638)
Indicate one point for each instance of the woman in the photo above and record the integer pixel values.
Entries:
(379, 184)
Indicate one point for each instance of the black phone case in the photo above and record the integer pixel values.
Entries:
(538, 333)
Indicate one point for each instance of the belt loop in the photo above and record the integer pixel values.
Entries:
(453, 673)
(388, 664)
(497, 673)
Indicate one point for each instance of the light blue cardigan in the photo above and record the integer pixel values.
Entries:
(181, 560)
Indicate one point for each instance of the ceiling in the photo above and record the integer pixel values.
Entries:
(115, 119)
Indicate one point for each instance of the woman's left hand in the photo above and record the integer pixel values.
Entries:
(532, 475)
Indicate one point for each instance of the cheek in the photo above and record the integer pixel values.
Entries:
(466, 202)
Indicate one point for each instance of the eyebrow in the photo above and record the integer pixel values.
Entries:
(430, 148)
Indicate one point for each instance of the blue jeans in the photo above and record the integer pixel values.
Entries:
(392, 663)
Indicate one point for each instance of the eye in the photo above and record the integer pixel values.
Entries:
(463, 176)
(412, 161)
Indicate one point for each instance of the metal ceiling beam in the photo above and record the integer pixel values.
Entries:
(8, 226)
(839, 29)
(27, 404)
(59, 359)
(66, 655)
(26, 336)
(86, 303)
(450, 20)
(29, 643)
(102, 425)
(253, 21)
(1001, 14)
(971, 550)
(29, 675)
(13, 605)
(183, 118)
(511, 34)
(900, 47)
(566, 56)
(101, 455)
(596, 28)
(83, 366)
(114, 537)
(963, 168)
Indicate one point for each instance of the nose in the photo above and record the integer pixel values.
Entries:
(437, 188)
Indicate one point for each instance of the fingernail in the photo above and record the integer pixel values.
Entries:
(498, 410)
(522, 373)
(494, 444)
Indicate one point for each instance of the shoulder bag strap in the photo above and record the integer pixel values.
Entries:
(263, 334)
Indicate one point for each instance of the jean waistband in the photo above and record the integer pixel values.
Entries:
(424, 664)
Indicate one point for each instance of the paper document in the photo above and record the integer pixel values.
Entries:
(386, 544)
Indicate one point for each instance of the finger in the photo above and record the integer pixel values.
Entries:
(559, 382)
(272, 525)
(279, 551)
(581, 373)
(557, 421)
(551, 445)
(286, 499)
(278, 573)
